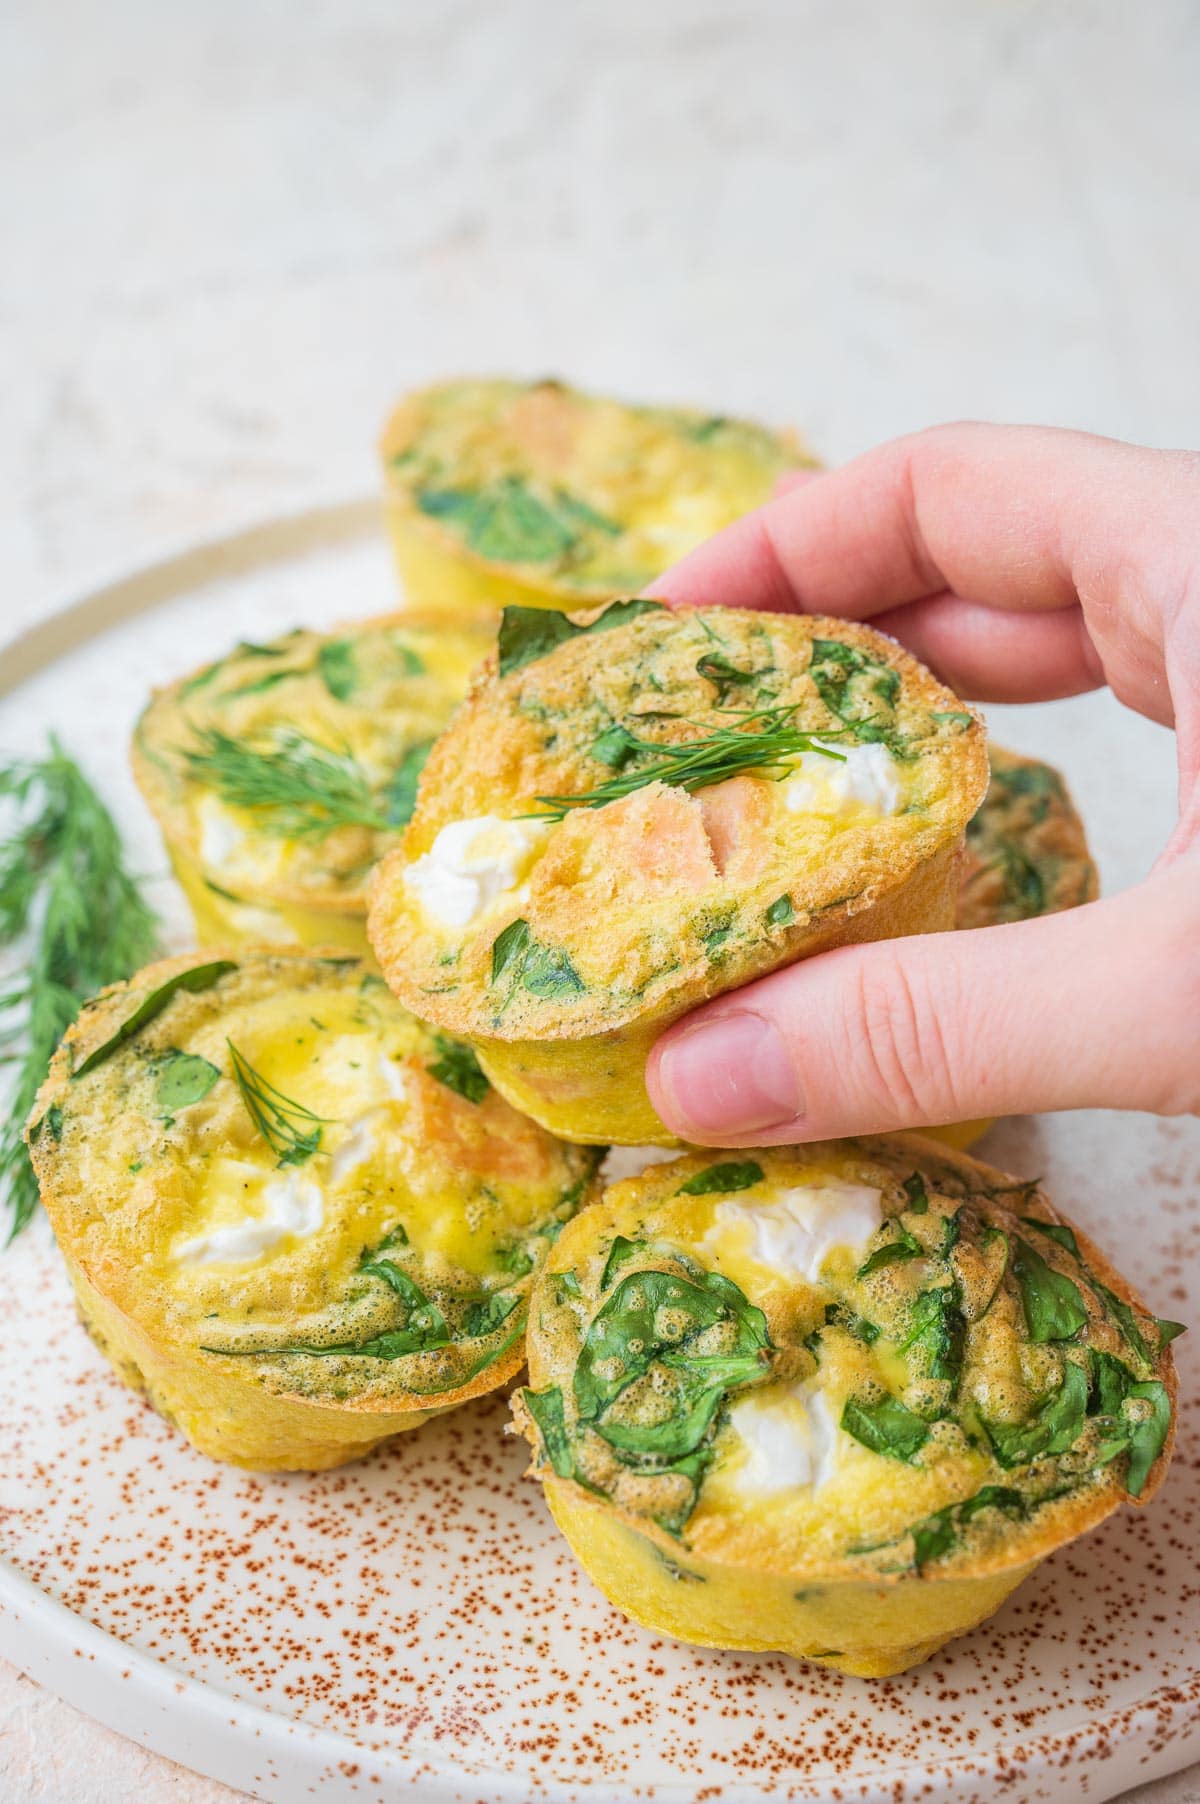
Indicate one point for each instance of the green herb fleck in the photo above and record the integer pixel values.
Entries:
(298, 788)
(291, 1131)
(766, 742)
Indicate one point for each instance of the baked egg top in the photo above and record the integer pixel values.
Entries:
(285, 770)
(591, 494)
(861, 1356)
(646, 804)
(270, 1160)
(1027, 852)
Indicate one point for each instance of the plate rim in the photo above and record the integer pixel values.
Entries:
(36, 1627)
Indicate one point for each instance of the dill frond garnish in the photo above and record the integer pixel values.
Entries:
(292, 1132)
(299, 788)
(765, 741)
(64, 889)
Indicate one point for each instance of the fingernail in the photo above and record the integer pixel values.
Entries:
(732, 1074)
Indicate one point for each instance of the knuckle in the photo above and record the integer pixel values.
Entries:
(896, 1042)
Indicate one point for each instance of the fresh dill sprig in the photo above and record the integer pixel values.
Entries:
(65, 890)
(765, 742)
(300, 789)
(292, 1132)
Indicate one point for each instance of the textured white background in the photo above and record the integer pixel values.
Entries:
(233, 230)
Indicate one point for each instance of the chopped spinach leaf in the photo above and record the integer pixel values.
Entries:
(653, 1319)
(529, 633)
(721, 1179)
(400, 796)
(716, 668)
(894, 1252)
(195, 979)
(781, 912)
(1148, 1437)
(459, 1069)
(887, 1426)
(1053, 1428)
(338, 669)
(546, 1409)
(1120, 1312)
(488, 1312)
(916, 1198)
(614, 747)
(957, 718)
(181, 1079)
(544, 971)
(861, 691)
(939, 1330)
(51, 1122)
(1054, 1308)
(1056, 1231)
(621, 1250)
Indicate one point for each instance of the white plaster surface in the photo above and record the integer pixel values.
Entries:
(233, 230)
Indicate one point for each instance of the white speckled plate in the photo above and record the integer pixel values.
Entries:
(413, 1626)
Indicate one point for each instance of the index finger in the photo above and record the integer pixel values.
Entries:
(995, 514)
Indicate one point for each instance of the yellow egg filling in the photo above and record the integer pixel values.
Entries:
(836, 1400)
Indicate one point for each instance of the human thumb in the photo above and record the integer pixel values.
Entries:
(1097, 1007)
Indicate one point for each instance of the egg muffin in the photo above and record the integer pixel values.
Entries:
(500, 491)
(836, 1400)
(280, 773)
(640, 808)
(297, 1219)
(1027, 852)
(1026, 855)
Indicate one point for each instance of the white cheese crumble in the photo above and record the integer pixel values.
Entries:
(355, 1148)
(294, 1205)
(220, 834)
(790, 1440)
(469, 864)
(631, 1161)
(865, 776)
(794, 1234)
(393, 1078)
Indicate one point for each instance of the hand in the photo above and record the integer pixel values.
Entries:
(1021, 564)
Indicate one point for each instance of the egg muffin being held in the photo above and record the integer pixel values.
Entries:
(297, 1219)
(532, 492)
(836, 1400)
(638, 809)
(279, 774)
